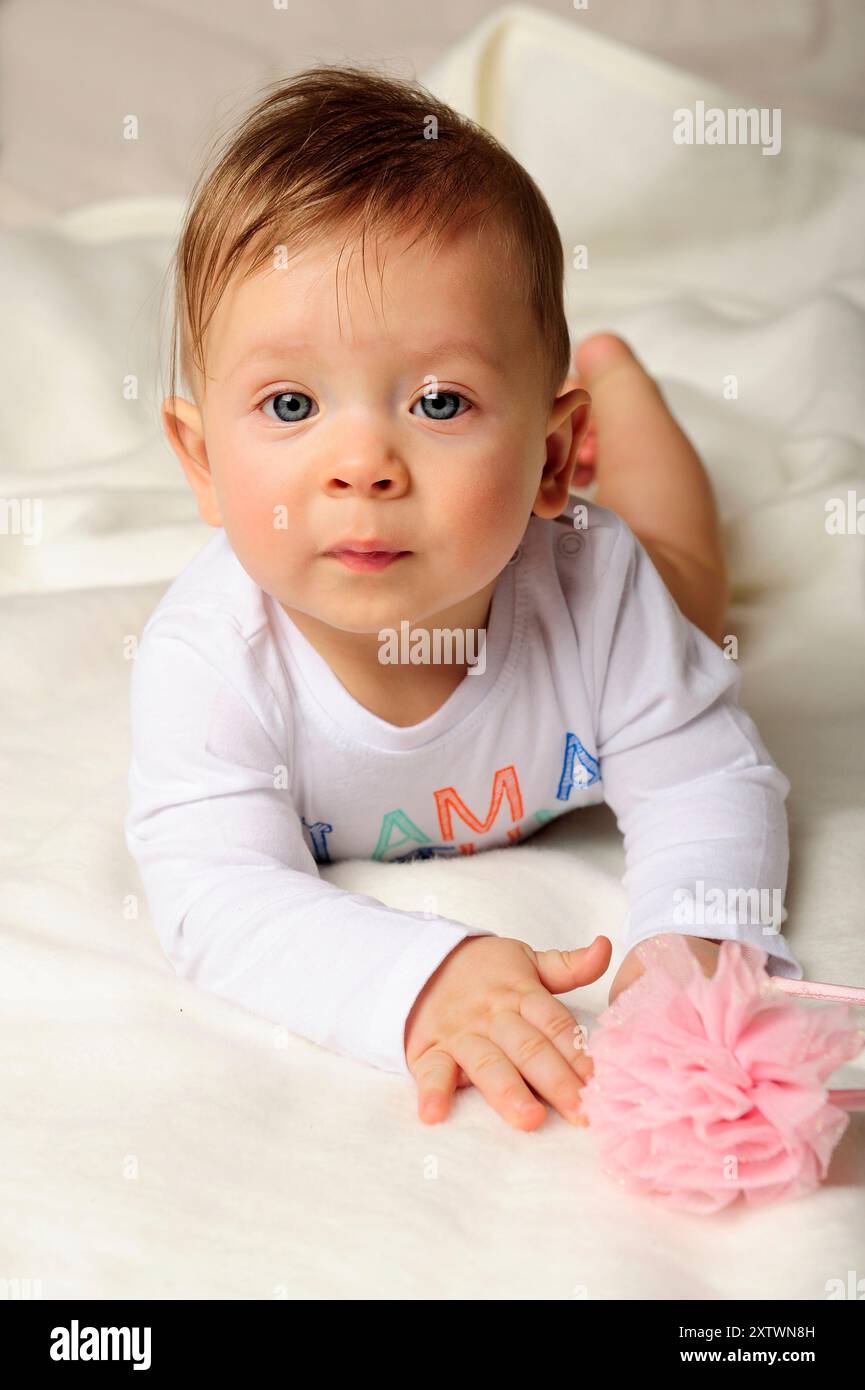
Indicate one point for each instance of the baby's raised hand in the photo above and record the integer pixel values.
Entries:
(487, 1017)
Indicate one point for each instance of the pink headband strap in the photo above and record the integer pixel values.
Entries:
(841, 994)
(814, 989)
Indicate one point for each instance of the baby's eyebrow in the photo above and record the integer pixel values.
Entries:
(457, 347)
(273, 348)
(454, 347)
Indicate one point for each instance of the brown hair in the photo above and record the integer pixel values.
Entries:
(342, 145)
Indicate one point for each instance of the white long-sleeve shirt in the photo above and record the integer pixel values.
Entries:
(252, 765)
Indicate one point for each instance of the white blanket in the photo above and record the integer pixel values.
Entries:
(162, 1143)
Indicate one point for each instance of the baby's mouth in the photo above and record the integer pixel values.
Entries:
(364, 560)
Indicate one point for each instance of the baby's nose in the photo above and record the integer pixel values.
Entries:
(368, 475)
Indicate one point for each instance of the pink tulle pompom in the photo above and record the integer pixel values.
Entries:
(705, 1088)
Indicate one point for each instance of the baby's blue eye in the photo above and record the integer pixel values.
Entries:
(290, 406)
(439, 405)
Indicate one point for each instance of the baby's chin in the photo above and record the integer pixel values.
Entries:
(398, 618)
(360, 615)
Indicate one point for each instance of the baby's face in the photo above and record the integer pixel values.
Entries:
(413, 413)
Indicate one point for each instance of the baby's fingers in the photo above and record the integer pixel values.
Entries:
(562, 971)
(436, 1075)
(540, 1063)
(551, 1017)
(498, 1081)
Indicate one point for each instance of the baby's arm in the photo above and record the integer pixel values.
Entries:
(698, 798)
(235, 894)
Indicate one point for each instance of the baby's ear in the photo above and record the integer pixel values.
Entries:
(185, 432)
(576, 405)
(568, 422)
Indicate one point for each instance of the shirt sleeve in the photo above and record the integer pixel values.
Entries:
(697, 797)
(235, 894)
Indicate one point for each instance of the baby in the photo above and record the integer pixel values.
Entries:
(386, 451)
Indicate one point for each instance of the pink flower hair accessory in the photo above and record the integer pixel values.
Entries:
(708, 1088)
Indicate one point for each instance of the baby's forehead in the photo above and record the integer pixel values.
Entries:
(450, 296)
(469, 265)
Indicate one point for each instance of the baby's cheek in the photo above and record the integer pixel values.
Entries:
(251, 525)
(255, 504)
(493, 513)
(258, 522)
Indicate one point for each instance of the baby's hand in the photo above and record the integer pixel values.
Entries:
(487, 1017)
(704, 948)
